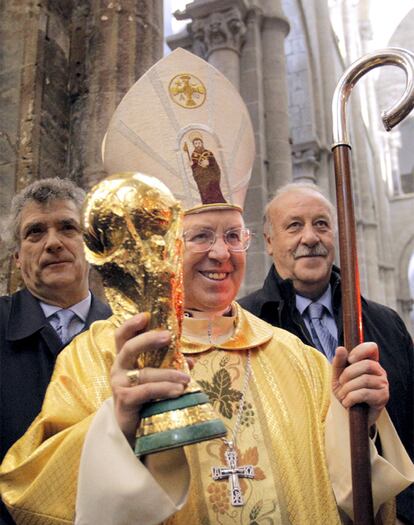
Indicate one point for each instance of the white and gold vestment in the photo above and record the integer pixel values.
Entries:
(282, 435)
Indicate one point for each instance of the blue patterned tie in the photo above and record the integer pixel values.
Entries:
(65, 318)
(322, 337)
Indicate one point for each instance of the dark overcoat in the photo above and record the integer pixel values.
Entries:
(29, 347)
(276, 304)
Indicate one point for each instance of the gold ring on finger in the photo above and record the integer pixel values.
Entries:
(133, 377)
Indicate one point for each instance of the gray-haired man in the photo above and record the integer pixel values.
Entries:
(46, 239)
(302, 294)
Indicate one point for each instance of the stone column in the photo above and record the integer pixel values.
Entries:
(306, 157)
(251, 89)
(34, 40)
(394, 142)
(113, 44)
(363, 174)
(224, 35)
(329, 68)
(386, 291)
(218, 33)
(275, 27)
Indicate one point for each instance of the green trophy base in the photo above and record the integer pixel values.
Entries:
(177, 422)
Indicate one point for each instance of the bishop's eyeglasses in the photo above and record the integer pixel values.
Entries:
(202, 239)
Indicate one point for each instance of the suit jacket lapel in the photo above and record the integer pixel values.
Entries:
(27, 318)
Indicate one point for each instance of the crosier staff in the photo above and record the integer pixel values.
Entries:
(351, 297)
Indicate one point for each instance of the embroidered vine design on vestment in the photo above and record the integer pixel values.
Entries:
(220, 392)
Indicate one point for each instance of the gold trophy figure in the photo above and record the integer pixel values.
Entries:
(133, 235)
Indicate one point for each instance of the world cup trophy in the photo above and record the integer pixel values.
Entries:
(133, 235)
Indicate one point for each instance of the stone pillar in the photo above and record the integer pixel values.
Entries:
(329, 69)
(34, 40)
(310, 57)
(217, 32)
(275, 27)
(306, 157)
(113, 44)
(222, 34)
(251, 89)
(394, 141)
(386, 291)
(363, 177)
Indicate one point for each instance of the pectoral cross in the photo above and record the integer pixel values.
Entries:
(233, 472)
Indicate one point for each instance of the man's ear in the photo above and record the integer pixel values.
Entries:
(16, 259)
(268, 244)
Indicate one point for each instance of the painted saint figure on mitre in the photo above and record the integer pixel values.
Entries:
(285, 459)
(206, 171)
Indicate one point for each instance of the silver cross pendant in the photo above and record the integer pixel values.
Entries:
(233, 472)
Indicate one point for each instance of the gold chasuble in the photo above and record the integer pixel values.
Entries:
(281, 430)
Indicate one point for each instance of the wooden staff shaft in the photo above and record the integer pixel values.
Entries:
(351, 295)
(353, 334)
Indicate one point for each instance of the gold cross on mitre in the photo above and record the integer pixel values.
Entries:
(185, 123)
(187, 90)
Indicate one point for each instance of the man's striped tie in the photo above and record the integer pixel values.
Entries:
(324, 341)
(65, 318)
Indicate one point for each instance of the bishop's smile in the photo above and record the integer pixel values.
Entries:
(215, 276)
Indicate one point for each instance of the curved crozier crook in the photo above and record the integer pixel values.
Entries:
(394, 56)
(404, 106)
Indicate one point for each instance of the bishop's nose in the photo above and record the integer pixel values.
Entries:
(219, 250)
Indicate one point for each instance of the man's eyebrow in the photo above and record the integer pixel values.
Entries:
(209, 227)
(69, 220)
(39, 224)
(323, 216)
(30, 225)
(291, 218)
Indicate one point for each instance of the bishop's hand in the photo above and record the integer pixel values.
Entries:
(359, 378)
(131, 388)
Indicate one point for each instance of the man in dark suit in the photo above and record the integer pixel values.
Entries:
(300, 234)
(38, 321)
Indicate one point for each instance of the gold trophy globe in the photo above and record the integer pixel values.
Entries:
(133, 235)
